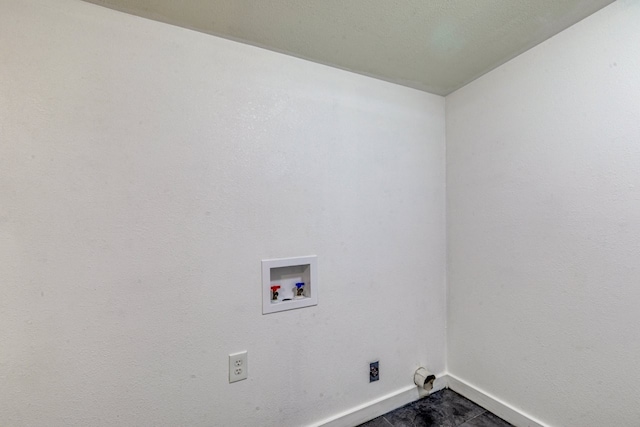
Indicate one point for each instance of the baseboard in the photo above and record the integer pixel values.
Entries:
(370, 410)
(492, 404)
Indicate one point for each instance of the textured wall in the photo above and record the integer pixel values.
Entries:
(543, 190)
(145, 170)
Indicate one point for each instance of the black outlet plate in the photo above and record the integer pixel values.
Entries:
(374, 371)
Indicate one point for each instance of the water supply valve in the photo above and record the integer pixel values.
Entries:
(274, 293)
(299, 290)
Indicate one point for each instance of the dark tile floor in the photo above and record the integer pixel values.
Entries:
(444, 408)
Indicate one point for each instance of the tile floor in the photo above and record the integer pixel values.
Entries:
(444, 408)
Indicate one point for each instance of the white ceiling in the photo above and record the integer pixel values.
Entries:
(434, 45)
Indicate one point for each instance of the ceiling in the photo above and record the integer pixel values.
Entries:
(433, 45)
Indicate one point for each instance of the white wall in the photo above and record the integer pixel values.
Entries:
(145, 170)
(543, 199)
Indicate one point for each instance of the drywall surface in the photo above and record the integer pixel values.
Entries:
(145, 171)
(437, 45)
(543, 209)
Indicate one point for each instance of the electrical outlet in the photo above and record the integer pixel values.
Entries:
(238, 367)
(374, 371)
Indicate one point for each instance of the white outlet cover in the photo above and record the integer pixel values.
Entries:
(238, 367)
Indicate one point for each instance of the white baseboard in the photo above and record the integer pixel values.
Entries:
(373, 409)
(492, 404)
(370, 410)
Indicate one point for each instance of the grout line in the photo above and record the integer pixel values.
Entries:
(473, 418)
(388, 422)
